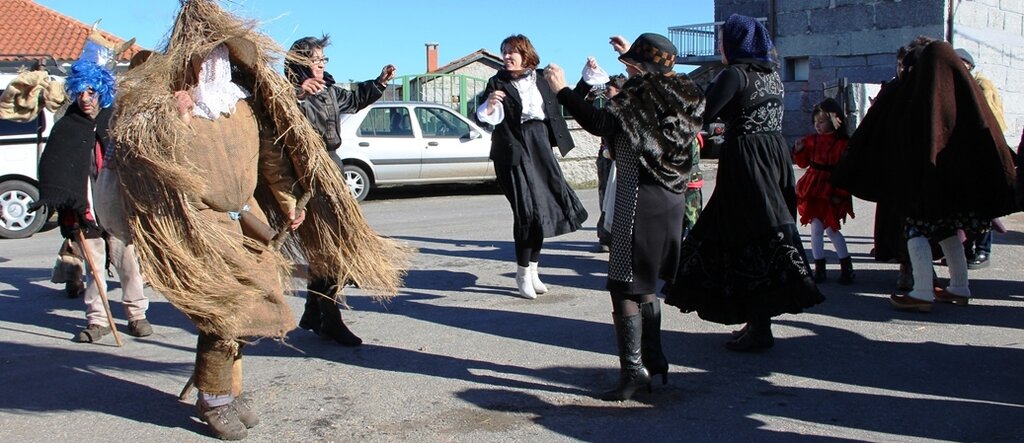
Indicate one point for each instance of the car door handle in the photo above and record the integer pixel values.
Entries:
(364, 144)
(431, 143)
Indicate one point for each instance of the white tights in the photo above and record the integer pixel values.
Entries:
(818, 232)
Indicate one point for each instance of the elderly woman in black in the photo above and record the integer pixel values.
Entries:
(743, 261)
(651, 124)
(527, 124)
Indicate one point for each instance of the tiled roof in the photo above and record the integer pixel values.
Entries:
(27, 28)
(480, 54)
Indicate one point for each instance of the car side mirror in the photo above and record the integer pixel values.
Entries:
(473, 135)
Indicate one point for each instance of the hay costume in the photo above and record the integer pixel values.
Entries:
(190, 184)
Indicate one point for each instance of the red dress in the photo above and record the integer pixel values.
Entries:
(816, 197)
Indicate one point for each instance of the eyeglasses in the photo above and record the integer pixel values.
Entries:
(321, 60)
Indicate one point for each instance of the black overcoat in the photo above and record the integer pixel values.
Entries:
(507, 139)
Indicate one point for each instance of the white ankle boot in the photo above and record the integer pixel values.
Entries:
(524, 282)
(538, 286)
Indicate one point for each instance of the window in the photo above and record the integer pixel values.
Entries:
(797, 69)
(29, 128)
(437, 122)
(386, 122)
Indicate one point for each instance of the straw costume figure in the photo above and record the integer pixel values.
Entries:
(203, 222)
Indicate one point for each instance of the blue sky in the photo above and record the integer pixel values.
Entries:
(366, 35)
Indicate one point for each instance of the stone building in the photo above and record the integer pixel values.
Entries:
(821, 42)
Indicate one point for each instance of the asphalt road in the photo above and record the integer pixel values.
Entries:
(459, 357)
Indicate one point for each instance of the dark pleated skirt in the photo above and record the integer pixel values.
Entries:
(542, 202)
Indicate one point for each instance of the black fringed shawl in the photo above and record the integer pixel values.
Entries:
(67, 160)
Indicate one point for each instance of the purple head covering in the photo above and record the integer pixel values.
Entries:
(745, 38)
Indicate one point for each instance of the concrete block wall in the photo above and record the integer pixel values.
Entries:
(993, 32)
(856, 39)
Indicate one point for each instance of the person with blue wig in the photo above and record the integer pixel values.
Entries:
(743, 261)
(86, 75)
(69, 170)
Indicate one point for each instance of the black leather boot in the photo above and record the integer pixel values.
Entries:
(819, 270)
(758, 336)
(650, 344)
(310, 319)
(633, 375)
(331, 324)
(846, 271)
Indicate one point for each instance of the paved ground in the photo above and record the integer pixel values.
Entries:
(458, 357)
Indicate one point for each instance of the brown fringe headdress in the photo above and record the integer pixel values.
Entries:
(201, 270)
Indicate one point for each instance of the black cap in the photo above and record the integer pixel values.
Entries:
(652, 53)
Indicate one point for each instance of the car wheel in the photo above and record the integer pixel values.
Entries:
(357, 180)
(15, 219)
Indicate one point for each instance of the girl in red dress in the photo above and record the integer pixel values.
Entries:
(822, 205)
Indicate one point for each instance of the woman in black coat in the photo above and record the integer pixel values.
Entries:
(528, 123)
(743, 262)
(652, 124)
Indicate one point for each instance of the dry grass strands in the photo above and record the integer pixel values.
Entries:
(210, 273)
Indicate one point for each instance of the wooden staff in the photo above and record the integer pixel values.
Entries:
(99, 281)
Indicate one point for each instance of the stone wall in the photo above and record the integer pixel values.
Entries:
(857, 40)
(579, 167)
(840, 38)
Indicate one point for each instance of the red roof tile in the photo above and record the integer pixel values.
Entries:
(27, 28)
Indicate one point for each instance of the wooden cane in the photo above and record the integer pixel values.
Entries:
(188, 387)
(99, 281)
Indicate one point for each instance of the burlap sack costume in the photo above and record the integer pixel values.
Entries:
(173, 172)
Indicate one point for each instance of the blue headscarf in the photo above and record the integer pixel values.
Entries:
(745, 38)
(85, 75)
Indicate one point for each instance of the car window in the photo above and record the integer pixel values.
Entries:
(8, 127)
(437, 122)
(392, 121)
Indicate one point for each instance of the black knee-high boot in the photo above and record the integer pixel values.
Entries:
(310, 319)
(633, 375)
(331, 324)
(650, 343)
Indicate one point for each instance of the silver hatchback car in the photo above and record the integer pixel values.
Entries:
(400, 143)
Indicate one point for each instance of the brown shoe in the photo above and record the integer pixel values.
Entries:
(92, 334)
(944, 296)
(907, 303)
(246, 413)
(140, 328)
(74, 289)
(223, 421)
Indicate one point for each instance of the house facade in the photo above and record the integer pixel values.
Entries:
(821, 42)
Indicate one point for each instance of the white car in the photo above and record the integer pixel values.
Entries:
(20, 147)
(399, 143)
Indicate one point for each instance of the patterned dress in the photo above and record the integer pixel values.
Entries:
(744, 258)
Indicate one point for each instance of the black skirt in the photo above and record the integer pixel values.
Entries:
(744, 257)
(542, 202)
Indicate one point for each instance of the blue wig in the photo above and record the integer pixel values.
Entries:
(85, 75)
